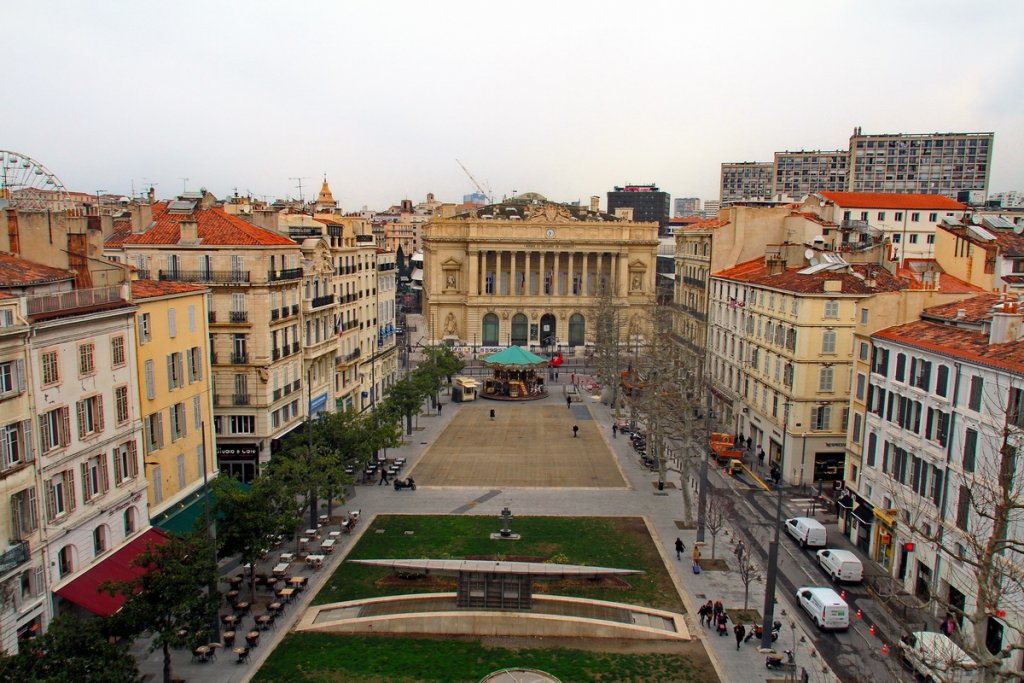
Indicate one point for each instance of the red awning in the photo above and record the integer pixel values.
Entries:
(85, 590)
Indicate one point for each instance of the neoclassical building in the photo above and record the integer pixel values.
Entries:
(528, 272)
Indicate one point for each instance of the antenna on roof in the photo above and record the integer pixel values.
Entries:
(299, 186)
(184, 184)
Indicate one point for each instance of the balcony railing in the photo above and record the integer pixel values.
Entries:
(224, 400)
(74, 299)
(286, 274)
(239, 316)
(211, 316)
(275, 313)
(14, 556)
(238, 358)
(325, 300)
(295, 347)
(364, 238)
(223, 276)
(305, 232)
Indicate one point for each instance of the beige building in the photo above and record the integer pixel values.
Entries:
(528, 272)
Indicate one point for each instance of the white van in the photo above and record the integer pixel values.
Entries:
(935, 657)
(827, 609)
(807, 531)
(842, 565)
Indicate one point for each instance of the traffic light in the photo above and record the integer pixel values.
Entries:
(909, 547)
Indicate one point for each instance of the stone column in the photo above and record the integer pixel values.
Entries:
(474, 273)
(511, 273)
(527, 273)
(570, 271)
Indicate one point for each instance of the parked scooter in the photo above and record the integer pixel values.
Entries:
(780, 662)
(405, 484)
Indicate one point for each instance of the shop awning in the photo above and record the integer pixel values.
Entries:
(864, 513)
(888, 517)
(181, 519)
(85, 590)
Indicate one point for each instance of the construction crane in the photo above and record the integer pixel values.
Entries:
(486, 193)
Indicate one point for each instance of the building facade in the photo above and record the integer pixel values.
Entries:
(529, 273)
(798, 174)
(745, 180)
(686, 207)
(649, 204)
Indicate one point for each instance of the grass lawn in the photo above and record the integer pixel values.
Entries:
(622, 543)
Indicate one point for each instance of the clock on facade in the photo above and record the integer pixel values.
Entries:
(551, 232)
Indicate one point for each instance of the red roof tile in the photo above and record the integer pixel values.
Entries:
(882, 200)
(122, 230)
(790, 280)
(958, 342)
(913, 270)
(976, 309)
(17, 272)
(148, 289)
(704, 224)
(215, 227)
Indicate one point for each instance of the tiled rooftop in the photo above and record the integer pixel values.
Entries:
(957, 342)
(122, 231)
(215, 227)
(976, 309)
(755, 272)
(147, 289)
(17, 272)
(882, 200)
(705, 224)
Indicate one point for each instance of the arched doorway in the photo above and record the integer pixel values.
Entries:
(548, 330)
(577, 330)
(490, 331)
(520, 329)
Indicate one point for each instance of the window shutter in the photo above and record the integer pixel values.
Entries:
(19, 375)
(179, 363)
(147, 434)
(69, 481)
(80, 407)
(172, 322)
(17, 524)
(197, 356)
(170, 371)
(86, 494)
(30, 448)
(159, 430)
(133, 462)
(191, 317)
(51, 501)
(65, 436)
(104, 473)
(99, 413)
(5, 451)
(150, 381)
(32, 509)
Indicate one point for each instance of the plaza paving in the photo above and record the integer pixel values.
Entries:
(525, 445)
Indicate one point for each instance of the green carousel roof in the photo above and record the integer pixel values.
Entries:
(515, 356)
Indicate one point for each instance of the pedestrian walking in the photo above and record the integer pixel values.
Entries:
(680, 548)
(750, 443)
(568, 402)
(723, 622)
(492, 413)
(703, 613)
(439, 404)
(708, 608)
(760, 457)
(575, 428)
(383, 477)
(696, 559)
(615, 431)
(740, 631)
(740, 548)
(556, 375)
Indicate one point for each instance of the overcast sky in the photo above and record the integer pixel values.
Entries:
(563, 98)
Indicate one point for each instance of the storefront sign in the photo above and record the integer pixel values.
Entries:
(238, 451)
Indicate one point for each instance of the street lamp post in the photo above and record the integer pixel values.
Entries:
(702, 492)
(773, 546)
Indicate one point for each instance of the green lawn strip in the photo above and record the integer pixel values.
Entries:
(622, 543)
(320, 657)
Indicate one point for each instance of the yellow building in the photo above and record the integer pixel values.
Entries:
(175, 396)
(528, 272)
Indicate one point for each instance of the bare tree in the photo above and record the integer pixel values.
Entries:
(608, 346)
(718, 513)
(974, 521)
(748, 573)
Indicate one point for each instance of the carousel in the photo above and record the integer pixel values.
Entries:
(515, 376)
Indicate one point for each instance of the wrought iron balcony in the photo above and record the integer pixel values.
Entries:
(239, 358)
(239, 316)
(325, 300)
(286, 274)
(13, 557)
(220, 276)
(73, 299)
(275, 313)
(211, 316)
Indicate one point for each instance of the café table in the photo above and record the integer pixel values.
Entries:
(287, 557)
(264, 621)
(314, 561)
(229, 619)
(276, 607)
(253, 638)
(242, 653)
(281, 568)
(286, 594)
(328, 546)
(311, 533)
(334, 534)
(242, 607)
(202, 653)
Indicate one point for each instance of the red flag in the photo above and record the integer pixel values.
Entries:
(557, 360)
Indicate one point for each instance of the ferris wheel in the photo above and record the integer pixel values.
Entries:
(27, 184)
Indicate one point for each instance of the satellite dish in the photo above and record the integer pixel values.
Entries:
(809, 254)
(1018, 228)
(814, 261)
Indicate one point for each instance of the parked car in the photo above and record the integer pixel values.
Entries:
(842, 565)
(807, 531)
(934, 657)
(825, 607)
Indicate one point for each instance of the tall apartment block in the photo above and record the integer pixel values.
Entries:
(901, 163)
(685, 207)
(746, 180)
(649, 204)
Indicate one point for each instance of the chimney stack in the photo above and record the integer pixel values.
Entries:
(1007, 323)
(189, 231)
(142, 217)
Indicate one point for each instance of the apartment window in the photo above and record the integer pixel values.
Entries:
(942, 380)
(861, 383)
(194, 357)
(921, 373)
(121, 404)
(86, 359)
(933, 218)
(90, 416)
(828, 341)
(65, 561)
(243, 424)
(197, 411)
(915, 217)
(977, 387)
(181, 472)
(857, 420)
(172, 323)
(872, 447)
(864, 351)
(24, 513)
(12, 378)
(825, 379)
(863, 215)
(129, 521)
(901, 367)
(153, 428)
(963, 508)
(1015, 410)
(898, 216)
(117, 357)
(144, 328)
(970, 450)
(913, 238)
(15, 446)
(126, 464)
(929, 239)
(99, 540)
(897, 238)
(157, 478)
(881, 215)
(55, 429)
(175, 371)
(60, 495)
(95, 479)
(821, 418)
(51, 369)
(191, 317)
(178, 427)
(832, 309)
